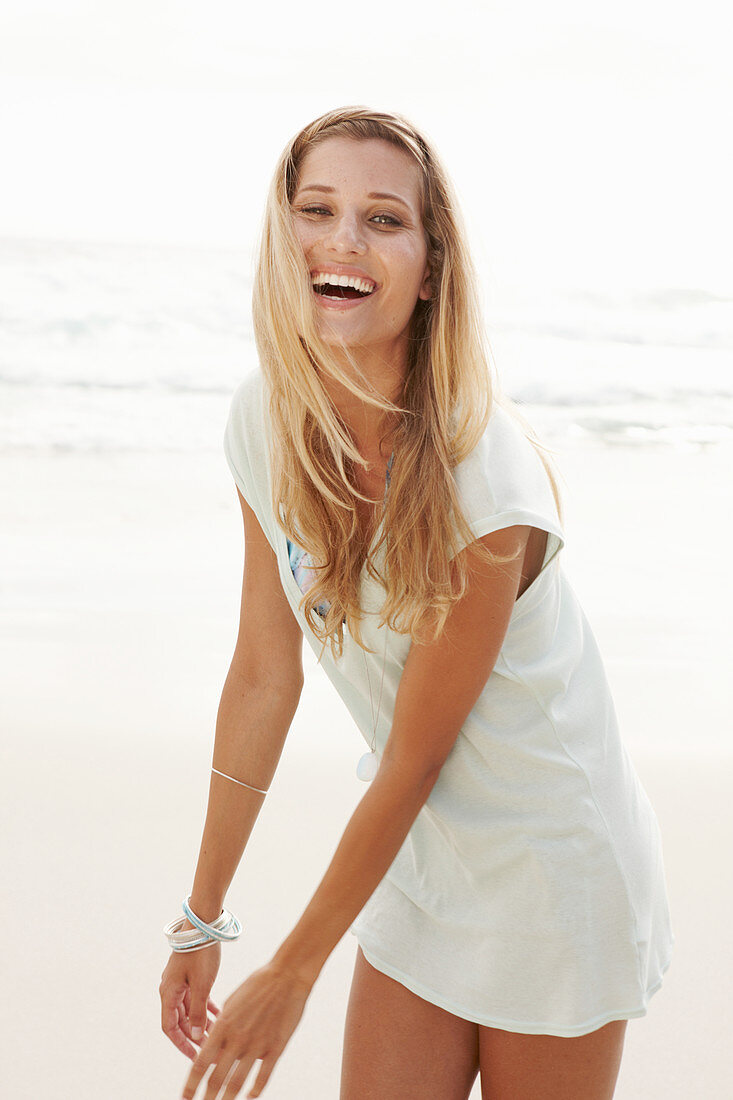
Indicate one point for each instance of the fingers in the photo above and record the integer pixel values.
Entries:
(224, 1061)
(177, 1026)
(268, 1064)
(197, 1015)
(220, 1073)
(194, 1045)
(171, 1024)
(180, 1040)
(190, 1018)
(185, 1025)
(241, 1069)
(210, 1054)
(237, 1079)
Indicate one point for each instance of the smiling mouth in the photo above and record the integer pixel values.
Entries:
(337, 292)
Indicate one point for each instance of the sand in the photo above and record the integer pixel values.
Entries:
(121, 579)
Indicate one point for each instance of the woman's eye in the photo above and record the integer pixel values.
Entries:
(381, 219)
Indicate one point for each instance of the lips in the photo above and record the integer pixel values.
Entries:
(340, 298)
(340, 285)
(339, 293)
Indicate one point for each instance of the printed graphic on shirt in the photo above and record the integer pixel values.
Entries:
(301, 566)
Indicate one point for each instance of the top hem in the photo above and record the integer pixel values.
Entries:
(500, 1023)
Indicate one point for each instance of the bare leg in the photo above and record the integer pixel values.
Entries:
(530, 1067)
(398, 1046)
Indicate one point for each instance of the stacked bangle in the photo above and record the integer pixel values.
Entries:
(225, 927)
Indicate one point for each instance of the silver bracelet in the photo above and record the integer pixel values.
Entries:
(225, 927)
(241, 784)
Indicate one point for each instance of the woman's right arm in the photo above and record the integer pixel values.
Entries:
(258, 703)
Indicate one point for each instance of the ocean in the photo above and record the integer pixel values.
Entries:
(116, 347)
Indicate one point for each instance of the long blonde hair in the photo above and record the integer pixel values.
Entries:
(443, 411)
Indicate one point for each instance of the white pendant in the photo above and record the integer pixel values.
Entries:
(367, 767)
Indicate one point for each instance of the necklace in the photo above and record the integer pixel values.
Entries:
(368, 764)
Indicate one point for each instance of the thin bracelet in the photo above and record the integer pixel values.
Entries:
(225, 927)
(241, 784)
(230, 931)
(193, 939)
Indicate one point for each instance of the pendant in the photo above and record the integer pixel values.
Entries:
(367, 767)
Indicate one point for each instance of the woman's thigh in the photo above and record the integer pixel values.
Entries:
(399, 1047)
(525, 1067)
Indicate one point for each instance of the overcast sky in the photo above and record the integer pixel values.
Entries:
(589, 143)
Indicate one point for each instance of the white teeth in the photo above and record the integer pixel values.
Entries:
(365, 286)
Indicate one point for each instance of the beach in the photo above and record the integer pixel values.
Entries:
(583, 146)
(122, 575)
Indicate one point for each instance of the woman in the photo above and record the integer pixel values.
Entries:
(503, 872)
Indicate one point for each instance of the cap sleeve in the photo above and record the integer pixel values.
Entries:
(245, 449)
(503, 482)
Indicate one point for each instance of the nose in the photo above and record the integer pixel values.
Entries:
(344, 234)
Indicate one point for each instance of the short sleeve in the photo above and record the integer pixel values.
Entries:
(503, 482)
(245, 449)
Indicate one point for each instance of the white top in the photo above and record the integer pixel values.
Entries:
(529, 894)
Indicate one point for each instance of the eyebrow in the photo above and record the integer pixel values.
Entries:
(371, 195)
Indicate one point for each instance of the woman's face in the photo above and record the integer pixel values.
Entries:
(356, 212)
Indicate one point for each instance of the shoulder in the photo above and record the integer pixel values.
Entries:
(244, 433)
(503, 481)
(504, 465)
(246, 446)
(246, 406)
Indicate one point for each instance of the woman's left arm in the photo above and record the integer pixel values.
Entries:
(440, 685)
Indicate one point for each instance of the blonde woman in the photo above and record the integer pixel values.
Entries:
(503, 873)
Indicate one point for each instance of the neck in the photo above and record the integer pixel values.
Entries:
(368, 425)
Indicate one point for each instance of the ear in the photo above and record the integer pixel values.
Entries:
(426, 289)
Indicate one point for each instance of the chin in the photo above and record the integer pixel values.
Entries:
(336, 339)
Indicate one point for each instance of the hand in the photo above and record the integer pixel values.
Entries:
(256, 1022)
(184, 994)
